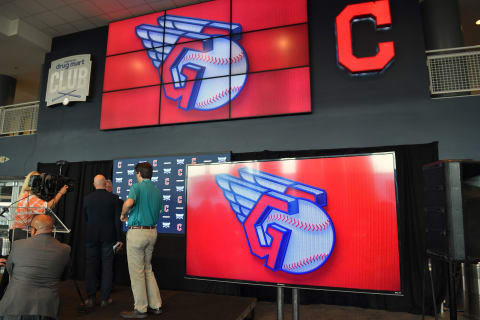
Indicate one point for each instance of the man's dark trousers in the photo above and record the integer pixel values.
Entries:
(102, 216)
(96, 252)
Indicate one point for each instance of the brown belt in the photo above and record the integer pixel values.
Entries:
(142, 227)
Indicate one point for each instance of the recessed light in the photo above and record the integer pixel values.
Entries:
(477, 22)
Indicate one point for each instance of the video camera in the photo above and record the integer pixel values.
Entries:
(46, 186)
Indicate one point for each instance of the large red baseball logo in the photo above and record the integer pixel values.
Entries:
(283, 220)
(211, 58)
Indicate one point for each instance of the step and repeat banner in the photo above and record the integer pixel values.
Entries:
(169, 177)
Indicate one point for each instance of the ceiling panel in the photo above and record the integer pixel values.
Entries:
(82, 24)
(51, 19)
(65, 29)
(51, 4)
(141, 9)
(108, 5)
(11, 11)
(132, 3)
(35, 22)
(30, 7)
(117, 15)
(87, 9)
(161, 5)
(68, 13)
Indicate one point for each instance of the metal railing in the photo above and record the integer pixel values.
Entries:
(19, 119)
(454, 72)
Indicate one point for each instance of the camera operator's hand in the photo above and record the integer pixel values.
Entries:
(58, 196)
(63, 190)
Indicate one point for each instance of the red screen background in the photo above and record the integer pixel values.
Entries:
(361, 201)
(271, 88)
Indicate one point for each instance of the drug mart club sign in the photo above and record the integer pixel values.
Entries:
(68, 79)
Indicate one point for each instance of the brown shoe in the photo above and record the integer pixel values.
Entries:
(135, 314)
(89, 303)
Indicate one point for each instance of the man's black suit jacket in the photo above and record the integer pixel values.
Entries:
(102, 215)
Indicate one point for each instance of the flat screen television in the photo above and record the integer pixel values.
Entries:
(322, 223)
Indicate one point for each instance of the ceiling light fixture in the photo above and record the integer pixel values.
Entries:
(477, 22)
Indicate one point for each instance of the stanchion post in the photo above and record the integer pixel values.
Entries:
(452, 303)
(295, 304)
(280, 303)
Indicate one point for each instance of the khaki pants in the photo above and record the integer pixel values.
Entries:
(140, 243)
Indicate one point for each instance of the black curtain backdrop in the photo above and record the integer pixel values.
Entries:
(169, 256)
(69, 209)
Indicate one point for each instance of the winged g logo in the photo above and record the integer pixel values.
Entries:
(284, 220)
(210, 58)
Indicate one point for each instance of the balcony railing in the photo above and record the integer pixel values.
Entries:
(19, 119)
(454, 72)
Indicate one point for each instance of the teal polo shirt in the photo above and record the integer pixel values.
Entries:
(148, 204)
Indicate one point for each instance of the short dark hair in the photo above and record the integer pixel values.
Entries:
(145, 169)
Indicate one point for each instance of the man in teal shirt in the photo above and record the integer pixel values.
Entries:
(143, 207)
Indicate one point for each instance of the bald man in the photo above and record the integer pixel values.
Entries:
(36, 266)
(101, 211)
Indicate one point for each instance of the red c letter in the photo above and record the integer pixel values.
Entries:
(378, 10)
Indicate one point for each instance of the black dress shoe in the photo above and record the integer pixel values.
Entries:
(135, 314)
(155, 311)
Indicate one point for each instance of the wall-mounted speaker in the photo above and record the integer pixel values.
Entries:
(452, 208)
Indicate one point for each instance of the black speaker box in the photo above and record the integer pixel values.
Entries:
(452, 207)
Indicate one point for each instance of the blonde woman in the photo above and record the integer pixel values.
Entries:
(29, 205)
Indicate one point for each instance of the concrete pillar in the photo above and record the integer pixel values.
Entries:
(441, 23)
(7, 89)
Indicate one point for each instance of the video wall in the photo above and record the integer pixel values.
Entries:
(221, 59)
(169, 177)
(313, 222)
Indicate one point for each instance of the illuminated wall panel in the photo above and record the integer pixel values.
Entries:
(174, 111)
(218, 10)
(129, 70)
(189, 58)
(270, 93)
(211, 60)
(262, 14)
(130, 108)
(122, 37)
(276, 48)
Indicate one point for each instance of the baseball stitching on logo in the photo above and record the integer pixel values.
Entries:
(305, 261)
(298, 223)
(217, 97)
(210, 59)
